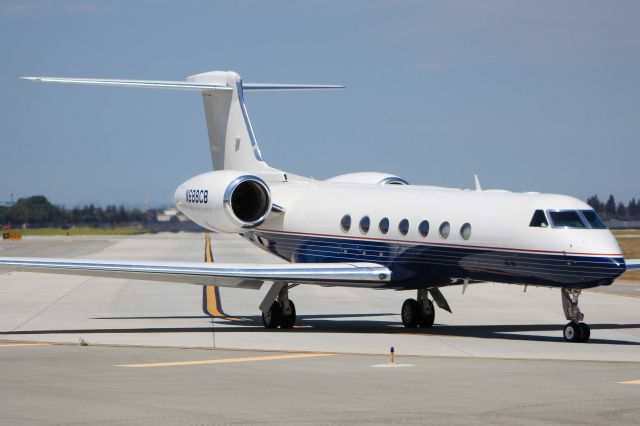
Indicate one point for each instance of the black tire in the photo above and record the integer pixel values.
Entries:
(572, 332)
(427, 314)
(586, 332)
(410, 313)
(288, 321)
(271, 319)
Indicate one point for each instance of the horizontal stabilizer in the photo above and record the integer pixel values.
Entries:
(182, 85)
(220, 274)
(276, 86)
(152, 84)
(632, 263)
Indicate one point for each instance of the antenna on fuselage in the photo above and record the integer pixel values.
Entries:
(478, 187)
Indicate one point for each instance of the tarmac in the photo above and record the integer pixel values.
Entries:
(150, 356)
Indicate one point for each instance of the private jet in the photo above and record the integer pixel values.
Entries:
(365, 230)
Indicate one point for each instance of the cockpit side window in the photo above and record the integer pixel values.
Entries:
(566, 219)
(594, 220)
(539, 220)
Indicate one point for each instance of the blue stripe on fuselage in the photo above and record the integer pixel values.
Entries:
(419, 265)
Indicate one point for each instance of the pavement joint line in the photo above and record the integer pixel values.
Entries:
(630, 382)
(227, 360)
(390, 365)
(612, 293)
(93, 253)
(12, 345)
(422, 356)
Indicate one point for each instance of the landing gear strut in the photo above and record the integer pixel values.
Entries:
(575, 330)
(419, 312)
(282, 312)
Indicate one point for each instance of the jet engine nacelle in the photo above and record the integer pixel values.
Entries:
(225, 200)
(374, 178)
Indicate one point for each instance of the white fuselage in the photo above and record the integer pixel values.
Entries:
(501, 246)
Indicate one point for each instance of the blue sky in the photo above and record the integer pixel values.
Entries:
(540, 95)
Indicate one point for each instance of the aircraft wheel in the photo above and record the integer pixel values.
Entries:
(410, 313)
(271, 318)
(572, 332)
(427, 314)
(586, 332)
(288, 320)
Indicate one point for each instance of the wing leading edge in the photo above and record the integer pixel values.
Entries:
(632, 263)
(219, 274)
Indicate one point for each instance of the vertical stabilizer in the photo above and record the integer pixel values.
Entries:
(231, 138)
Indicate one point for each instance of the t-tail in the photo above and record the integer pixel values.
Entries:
(231, 138)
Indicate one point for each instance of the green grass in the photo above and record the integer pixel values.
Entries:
(81, 231)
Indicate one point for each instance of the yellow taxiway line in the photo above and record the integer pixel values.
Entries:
(213, 304)
(226, 360)
(13, 345)
(630, 382)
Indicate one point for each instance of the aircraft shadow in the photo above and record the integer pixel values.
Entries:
(253, 318)
(154, 317)
(322, 324)
(493, 331)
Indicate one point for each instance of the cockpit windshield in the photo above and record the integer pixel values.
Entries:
(566, 219)
(594, 220)
(575, 219)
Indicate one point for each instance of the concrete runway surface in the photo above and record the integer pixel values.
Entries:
(498, 359)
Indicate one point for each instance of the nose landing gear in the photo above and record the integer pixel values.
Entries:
(575, 330)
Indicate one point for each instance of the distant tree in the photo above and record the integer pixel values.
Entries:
(37, 211)
(34, 211)
(595, 203)
(4, 211)
(632, 209)
(122, 214)
(610, 206)
(621, 211)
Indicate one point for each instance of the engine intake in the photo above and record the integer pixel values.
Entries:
(247, 201)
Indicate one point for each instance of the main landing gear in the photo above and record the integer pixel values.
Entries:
(281, 312)
(419, 312)
(576, 330)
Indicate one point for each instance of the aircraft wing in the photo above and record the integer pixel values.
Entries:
(219, 274)
(632, 263)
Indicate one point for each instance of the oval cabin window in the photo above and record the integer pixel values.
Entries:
(423, 228)
(445, 228)
(364, 224)
(345, 223)
(384, 225)
(465, 231)
(403, 226)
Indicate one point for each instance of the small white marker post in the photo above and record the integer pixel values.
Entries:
(392, 360)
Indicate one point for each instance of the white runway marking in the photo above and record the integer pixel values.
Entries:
(388, 365)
